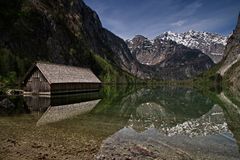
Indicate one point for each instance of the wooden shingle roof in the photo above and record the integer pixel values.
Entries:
(55, 73)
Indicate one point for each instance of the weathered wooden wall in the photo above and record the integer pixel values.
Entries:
(37, 83)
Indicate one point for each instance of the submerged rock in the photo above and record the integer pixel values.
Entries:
(152, 144)
(6, 104)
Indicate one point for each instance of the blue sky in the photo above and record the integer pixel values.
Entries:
(127, 18)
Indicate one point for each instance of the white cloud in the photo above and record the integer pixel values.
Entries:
(178, 23)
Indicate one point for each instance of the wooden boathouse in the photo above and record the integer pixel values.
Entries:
(46, 78)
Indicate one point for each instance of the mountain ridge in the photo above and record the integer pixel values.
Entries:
(211, 44)
(167, 59)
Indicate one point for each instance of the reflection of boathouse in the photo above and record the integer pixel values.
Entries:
(60, 107)
(58, 113)
(45, 78)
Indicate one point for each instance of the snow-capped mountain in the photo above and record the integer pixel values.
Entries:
(166, 58)
(209, 43)
(150, 52)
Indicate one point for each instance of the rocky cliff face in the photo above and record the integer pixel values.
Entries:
(230, 68)
(167, 59)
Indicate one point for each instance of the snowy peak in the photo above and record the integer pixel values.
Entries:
(152, 52)
(209, 43)
(191, 35)
(166, 58)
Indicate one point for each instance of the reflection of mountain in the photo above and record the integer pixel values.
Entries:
(233, 93)
(232, 113)
(175, 123)
(62, 107)
(183, 103)
(163, 105)
(210, 123)
(177, 111)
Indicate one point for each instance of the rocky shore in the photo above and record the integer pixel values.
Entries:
(24, 141)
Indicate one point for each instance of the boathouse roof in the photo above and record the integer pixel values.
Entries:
(58, 73)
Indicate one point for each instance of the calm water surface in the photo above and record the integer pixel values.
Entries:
(123, 123)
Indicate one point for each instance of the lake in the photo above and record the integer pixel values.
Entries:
(123, 122)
